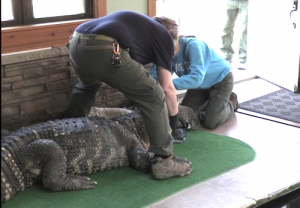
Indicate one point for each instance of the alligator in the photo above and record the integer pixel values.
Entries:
(61, 153)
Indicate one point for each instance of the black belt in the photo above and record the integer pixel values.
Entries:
(92, 36)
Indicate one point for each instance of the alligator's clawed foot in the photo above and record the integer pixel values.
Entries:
(81, 182)
(69, 183)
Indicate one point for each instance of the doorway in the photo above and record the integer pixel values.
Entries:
(205, 20)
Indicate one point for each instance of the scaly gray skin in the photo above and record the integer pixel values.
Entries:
(61, 153)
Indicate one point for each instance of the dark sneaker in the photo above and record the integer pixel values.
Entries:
(229, 60)
(234, 100)
(170, 167)
(242, 66)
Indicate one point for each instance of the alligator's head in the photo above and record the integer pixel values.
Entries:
(12, 180)
(189, 118)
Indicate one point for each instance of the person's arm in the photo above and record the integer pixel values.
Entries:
(165, 80)
(192, 77)
(153, 72)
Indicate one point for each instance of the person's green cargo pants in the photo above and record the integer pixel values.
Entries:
(91, 59)
(214, 103)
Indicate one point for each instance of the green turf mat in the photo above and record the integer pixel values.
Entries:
(210, 154)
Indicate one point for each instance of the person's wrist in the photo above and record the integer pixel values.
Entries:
(174, 121)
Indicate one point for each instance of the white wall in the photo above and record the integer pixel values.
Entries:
(133, 5)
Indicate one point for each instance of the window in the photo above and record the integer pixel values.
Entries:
(25, 12)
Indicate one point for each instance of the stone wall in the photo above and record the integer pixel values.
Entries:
(36, 86)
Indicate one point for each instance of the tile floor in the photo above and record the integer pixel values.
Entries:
(274, 172)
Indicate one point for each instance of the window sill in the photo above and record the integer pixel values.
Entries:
(23, 38)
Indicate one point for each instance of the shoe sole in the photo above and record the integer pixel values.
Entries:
(241, 68)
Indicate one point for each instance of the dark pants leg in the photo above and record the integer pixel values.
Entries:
(214, 103)
(219, 108)
(93, 65)
(196, 99)
(81, 100)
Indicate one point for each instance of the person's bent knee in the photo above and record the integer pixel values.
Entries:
(211, 124)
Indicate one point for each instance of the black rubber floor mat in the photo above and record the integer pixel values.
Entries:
(281, 104)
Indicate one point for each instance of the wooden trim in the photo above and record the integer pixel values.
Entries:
(37, 36)
(100, 8)
(29, 37)
(151, 8)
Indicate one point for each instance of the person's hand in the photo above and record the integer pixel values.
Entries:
(179, 136)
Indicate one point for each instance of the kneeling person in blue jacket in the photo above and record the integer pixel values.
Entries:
(208, 79)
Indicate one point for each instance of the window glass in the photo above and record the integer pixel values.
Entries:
(6, 10)
(53, 8)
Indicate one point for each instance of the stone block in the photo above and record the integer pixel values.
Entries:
(56, 109)
(61, 84)
(10, 111)
(5, 87)
(33, 73)
(11, 79)
(43, 103)
(55, 69)
(16, 125)
(23, 117)
(29, 82)
(27, 56)
(37, 63)
(14, 73)
(60, 76)
(37, 70)
(33, 97)
(28, 119)
(2, 71)
(20, 93)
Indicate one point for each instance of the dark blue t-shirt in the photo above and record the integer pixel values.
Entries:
(147, 39)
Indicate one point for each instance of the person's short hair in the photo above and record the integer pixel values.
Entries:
(170, 25)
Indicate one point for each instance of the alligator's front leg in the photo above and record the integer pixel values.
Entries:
(140, 159)
(46, 158)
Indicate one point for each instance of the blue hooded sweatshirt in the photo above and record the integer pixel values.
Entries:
(197, 66)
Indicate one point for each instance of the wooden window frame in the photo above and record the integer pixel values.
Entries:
(17, 15)
(23, 14)
(57, 34)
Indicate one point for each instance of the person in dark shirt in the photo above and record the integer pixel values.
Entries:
(113, 49)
